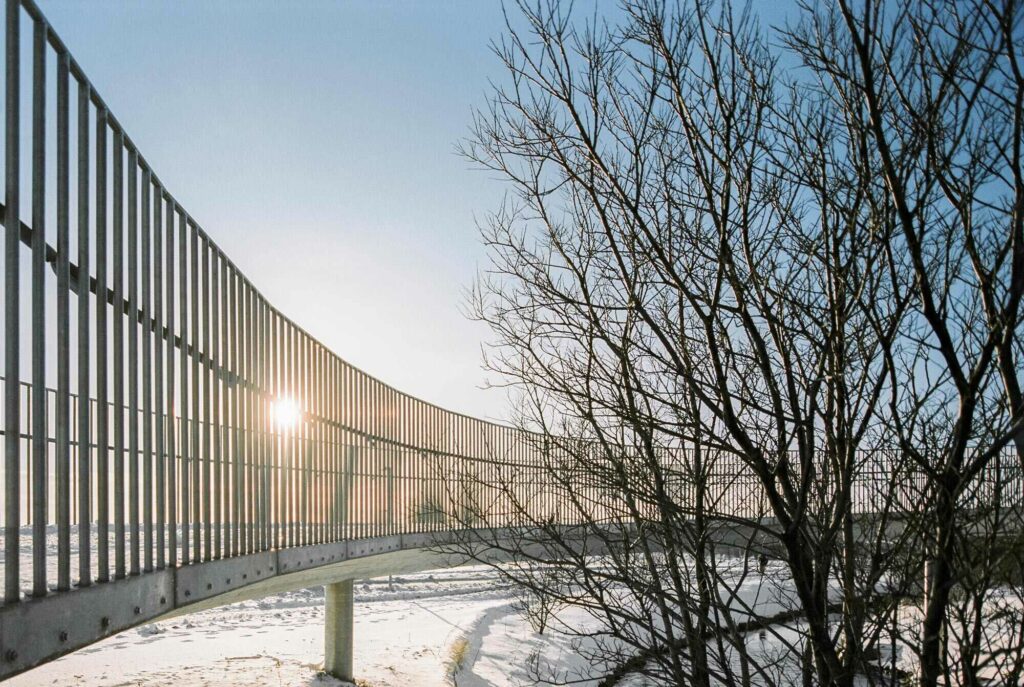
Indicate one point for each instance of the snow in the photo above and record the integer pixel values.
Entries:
(401, 636)
(405, 628)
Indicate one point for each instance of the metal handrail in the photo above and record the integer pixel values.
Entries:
(178, 424)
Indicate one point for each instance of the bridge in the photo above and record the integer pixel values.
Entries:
(173, 442)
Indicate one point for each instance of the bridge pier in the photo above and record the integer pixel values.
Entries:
(338, 630)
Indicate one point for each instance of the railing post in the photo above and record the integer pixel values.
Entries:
(338, 630)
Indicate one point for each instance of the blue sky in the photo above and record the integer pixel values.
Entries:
(315, 142)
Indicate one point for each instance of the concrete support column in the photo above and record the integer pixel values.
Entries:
(338, 630)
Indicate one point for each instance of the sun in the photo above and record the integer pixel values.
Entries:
(286, 413)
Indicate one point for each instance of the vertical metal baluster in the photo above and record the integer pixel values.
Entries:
(217, 380)
(406, 466)
(82, 416)
(369, 457)
(295, 439)
(161, 411)
(247, 454)
(276, 394)
(423, 461)
(183, 382)
(241, 488)
(331, 439)
(315, 386)
(431, 467)
(102, 411)
(254, 428)
(366, 469)
(228, 364)
(437, 469)
(359, 452)
(266, 401)
(12, 373)
(230, 442)
(307, 453)
(442, 466)
(147, 374)
(397, 462)
(170, 433)
(343, 448)
(284, 355)
(330, 427)
(207, 375)
(314, 442)
(259, 408)
(227, 383)
(311, 389)
(263, 424)
(133, 360)
(284, 391)
(348, 448)
(294, 447)
(39, 443)
(248, 461)
(412, 455)
(365, 454)
(324, 429)
(236, 394)
(118, 332)
(423, 464)
(251, 442)
(298, 465)
(336, 442)
(415, 463)
(325, 445)
(299, 455)
(384, 457)
(62, 450)
(373, 467)
(378, 457)
(195, 456)
(300, 434)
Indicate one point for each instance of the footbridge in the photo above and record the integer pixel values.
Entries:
(172, 441)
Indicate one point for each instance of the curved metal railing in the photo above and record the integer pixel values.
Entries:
(217, 426)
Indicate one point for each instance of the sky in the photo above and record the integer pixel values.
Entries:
(315, 142)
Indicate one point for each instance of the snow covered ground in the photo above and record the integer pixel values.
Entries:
(402, 635)
(404, 630)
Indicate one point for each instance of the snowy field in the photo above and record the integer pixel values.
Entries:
(405, 628)
(403, 633)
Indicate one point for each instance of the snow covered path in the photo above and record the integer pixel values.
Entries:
(402, 635)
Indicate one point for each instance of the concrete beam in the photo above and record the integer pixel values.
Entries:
(338, 630)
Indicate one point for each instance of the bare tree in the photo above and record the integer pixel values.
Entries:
(761, 288)
(932, 94)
